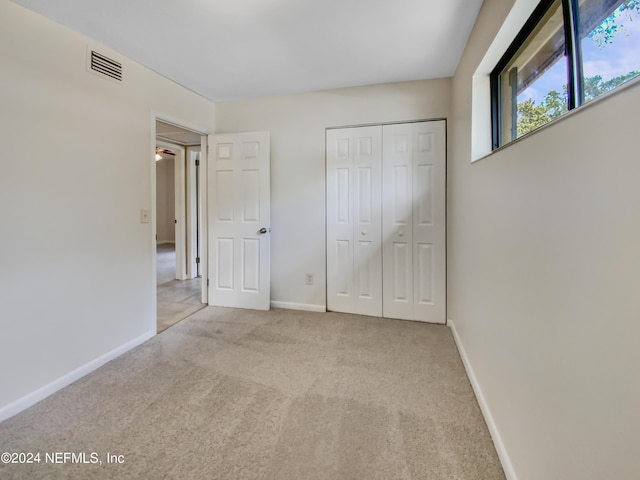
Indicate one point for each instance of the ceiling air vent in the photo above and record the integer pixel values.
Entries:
(106, 66)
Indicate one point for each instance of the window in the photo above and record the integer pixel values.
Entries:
(568, 53)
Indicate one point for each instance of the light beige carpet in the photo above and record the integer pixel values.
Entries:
(236, 394)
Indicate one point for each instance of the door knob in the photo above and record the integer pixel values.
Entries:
(262, 231)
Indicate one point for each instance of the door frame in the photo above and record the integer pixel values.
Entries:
(180, 214)
(203, 132)
(193, 225)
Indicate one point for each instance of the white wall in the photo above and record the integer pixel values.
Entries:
(544, 281)
(297, 124)
(77, 277)
(165, 199)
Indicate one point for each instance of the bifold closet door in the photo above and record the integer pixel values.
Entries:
(354, 228)
(413, 198)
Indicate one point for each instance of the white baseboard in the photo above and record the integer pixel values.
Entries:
(307, 307)
(34, 397)
(484, 407)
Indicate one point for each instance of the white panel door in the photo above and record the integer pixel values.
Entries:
(414, 229)
(239, 218)
(354, 243)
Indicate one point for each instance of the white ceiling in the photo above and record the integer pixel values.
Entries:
(231, 49)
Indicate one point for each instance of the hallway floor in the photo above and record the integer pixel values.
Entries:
(177, 299)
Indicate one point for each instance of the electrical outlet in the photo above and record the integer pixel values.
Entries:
(309, 278)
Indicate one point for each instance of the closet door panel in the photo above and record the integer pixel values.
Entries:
(414, 173)
(397, 228)
(339, 219)
(429, 222)
(354, 258)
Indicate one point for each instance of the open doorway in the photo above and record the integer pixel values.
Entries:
(178, 224)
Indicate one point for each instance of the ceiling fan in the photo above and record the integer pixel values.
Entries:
(163, 151)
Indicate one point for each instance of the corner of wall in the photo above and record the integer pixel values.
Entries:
(501, 448)
(34, 397)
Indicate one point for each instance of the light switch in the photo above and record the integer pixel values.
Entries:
(145, 216)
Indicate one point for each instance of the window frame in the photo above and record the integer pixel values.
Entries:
(573, 55)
